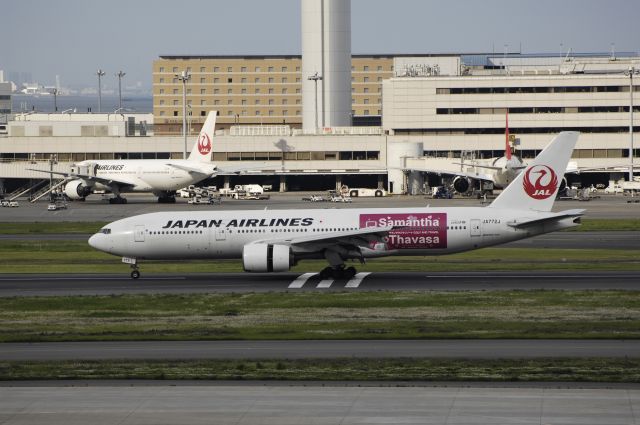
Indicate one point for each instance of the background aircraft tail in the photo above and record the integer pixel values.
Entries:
(535, 188)
(203, 148)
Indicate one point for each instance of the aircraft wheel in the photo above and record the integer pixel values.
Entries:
(135, 274)
(325, 273)
(349, 272)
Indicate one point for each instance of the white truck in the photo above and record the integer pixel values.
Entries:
(356, 192)
(622, 186)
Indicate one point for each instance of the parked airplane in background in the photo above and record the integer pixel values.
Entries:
(498, 171)
(275, 240)
(160, 176)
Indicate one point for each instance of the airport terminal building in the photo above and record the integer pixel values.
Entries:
(429, 110)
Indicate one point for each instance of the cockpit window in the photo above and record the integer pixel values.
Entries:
(105, 231)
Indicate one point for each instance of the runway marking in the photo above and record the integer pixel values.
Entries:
(301, 280)
(325, 283)
(357, 280)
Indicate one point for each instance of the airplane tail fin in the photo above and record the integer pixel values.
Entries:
(203, 148)
(507, 148)
(535, 188)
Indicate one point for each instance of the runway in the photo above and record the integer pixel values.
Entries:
(112, 284)
(319, 404)
(319, 349)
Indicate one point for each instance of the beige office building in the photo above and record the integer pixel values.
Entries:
(254, 90)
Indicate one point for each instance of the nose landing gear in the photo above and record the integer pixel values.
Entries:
(135, 273)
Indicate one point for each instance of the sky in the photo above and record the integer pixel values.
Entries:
(74, 38)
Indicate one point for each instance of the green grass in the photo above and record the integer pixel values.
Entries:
(43, 256)
(416, 370)
(603, 224)
(313, 315)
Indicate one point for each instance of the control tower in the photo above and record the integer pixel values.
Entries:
(326, 58)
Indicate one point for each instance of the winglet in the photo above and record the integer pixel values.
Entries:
(535, 188)
(203, 148)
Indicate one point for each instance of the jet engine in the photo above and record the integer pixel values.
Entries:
(76, 190)
(462, 184)
(260, 258)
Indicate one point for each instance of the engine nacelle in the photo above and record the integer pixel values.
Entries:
(76, 190)
(261, 257)
(462, 184)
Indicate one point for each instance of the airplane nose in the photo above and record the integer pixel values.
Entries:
(98, 242)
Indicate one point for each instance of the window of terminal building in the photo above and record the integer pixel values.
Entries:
(379, 68)
(257, 69)
(262, 156)
(284, 69)
(216, 91)
(161, 91)
(203, 91)
(162, 113)
(247, 156)
(216, 80)
(175, 113)
(161, 69)
(298, 102)
(379, 79)
(203, 80)
(230, 113)
(229, 102)
(285, 101)
(216, 69)
(233, 156)
(243, 69)
(258, 112)
(284, 90)
(188, 91)
(284, 79)
(298, 112)
(285, 112)
(243, 102)
(175, 103)
(365, 68)
(271, 101)
(229, 80)
(257, 91)
(202, 69)
(243, 91)
(203, 102)
(175, 69)
(229, 91)
(161, 80)
(331, 155)
(297, 80)
(270, 112)
(366, 90)
(270, 69)
(257, 101)
(244, 112)
(297, 90)
(216, 102)
(353, 79)
(365, 101)
(275, 156)
(366, 112)
(373, 155)
(257, 80)
(188, 69)
(219, 156)
(161, 102)
(243, 80)
(365, 79)
(175, 91)
(304, 156)
(359, 155)
(271, 79)
(229, 69)
(298, 68)
(317, 156)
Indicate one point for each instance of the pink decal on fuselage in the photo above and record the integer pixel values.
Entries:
(412, 230)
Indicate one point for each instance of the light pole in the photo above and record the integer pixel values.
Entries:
(632, 70)
(315, 78)
(54, 92)
(184, 77)
(100, 74)
(120, 74)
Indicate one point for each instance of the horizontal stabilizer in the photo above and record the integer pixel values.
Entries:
(550, 218)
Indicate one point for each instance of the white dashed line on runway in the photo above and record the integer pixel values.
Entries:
(357, 280)
(301, 280)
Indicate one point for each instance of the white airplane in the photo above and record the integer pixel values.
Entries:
(498, 171)
(275, 240)
(160, 176)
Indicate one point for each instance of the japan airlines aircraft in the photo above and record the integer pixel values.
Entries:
(273, 241)
(498, 171)
(160, 176)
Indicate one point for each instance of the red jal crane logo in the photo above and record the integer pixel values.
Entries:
(204, 144)
(545, 184)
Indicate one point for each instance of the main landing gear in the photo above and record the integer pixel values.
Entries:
(337, 269)
(118, 200)
(340, 272)
(167, 198)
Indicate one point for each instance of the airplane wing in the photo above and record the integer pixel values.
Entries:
(192, 170)
(318, 242)
(87, 177)
(476, 176)
(555, 217)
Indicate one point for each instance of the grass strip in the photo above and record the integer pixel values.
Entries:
(325, 315)
(52, 256)
(11, 228)
(417, 370)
